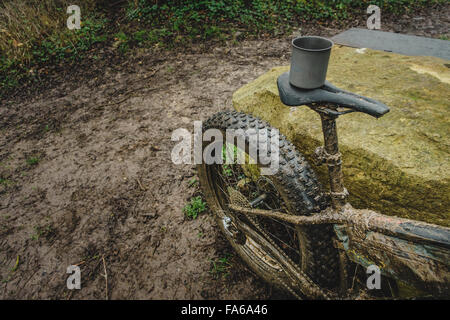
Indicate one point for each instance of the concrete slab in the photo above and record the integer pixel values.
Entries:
(394, 42)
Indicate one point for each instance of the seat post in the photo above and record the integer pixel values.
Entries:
(333, 160)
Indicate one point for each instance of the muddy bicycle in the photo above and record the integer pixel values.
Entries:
(300, 238)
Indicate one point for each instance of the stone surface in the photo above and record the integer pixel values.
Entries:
(397, 165)
(394, 42)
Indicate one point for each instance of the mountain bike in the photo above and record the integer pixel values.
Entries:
(303, 239)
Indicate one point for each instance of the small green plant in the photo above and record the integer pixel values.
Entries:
(5, 182)
(195, 207)
(37, 234)
(39, 231)
(12, 270)
(226, 150)
(140, 36)
(192, 182)
(122, 41)
(227, 170)
(33, 161)
(220, 268)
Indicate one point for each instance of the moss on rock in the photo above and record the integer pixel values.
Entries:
(397, 165)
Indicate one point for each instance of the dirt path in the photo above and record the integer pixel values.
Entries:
(87, 177)
(105, 186)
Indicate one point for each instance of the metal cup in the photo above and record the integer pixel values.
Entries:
(309, 62)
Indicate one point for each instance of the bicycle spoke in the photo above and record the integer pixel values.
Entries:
(234, 176)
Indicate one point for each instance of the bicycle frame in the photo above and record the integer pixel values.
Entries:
(407, 250)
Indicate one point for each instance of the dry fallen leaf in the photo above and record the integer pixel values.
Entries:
(16, 43)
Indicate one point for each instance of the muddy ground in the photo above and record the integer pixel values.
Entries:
(87, 177)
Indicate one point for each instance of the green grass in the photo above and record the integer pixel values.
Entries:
(40, 231)
(226, 150)
(220, 268)
(34, 35)
(32, 161)
(12, 270)
(173, 22)
(194, 207)
(121, 41)
(193, 182)
(5, 182)
(68, 47)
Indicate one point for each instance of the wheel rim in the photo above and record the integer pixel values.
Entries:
(221, 181)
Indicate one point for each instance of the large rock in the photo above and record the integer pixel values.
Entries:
(397, 165)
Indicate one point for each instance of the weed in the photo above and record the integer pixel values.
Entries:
(32, 161)
(220, 268)
(192, 182)
(12, 270)
(39, 231)
(180, 21)
(226, 151)
(5, 182)
(122, 41)
(33, 34)
(227, 171)
(195, 207)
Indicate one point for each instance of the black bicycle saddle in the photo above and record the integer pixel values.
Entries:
(328, 95)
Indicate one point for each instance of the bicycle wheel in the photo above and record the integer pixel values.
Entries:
(273, 249)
